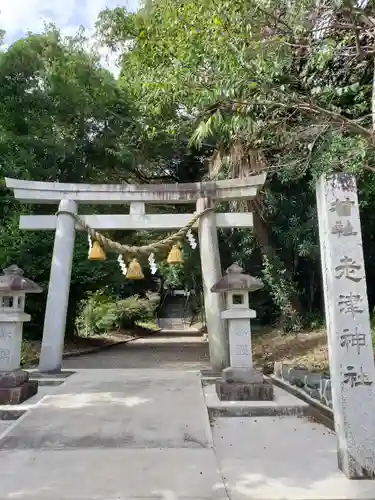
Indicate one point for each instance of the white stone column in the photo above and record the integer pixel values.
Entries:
(10, 341)
(211, 274)
(58, 290)
(351, 356)
(239, 328)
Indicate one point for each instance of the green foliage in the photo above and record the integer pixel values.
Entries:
(102, 312)
(135, 309)
(97, 314)
(211, 89)
(173, 276)
(265, 86)
(62, 118)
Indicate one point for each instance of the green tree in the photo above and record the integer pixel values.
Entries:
(62, 118)
(279, 86)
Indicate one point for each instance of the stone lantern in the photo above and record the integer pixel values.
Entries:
(240, 381)
(15, 386)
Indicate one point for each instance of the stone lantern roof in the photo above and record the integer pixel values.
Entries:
(236, 280)
(12, 280)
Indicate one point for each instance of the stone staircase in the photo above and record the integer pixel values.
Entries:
(176, 318)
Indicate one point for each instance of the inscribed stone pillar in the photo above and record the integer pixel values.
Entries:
(10, 343)
(211, 274)
(58, 290)
(239, 330)
(351, 356)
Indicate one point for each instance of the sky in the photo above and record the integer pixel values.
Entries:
(17, 17)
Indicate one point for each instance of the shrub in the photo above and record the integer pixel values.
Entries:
(97, 314)
(135, 309)
(100, 312)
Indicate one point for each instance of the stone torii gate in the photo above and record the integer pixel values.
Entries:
(68, 197)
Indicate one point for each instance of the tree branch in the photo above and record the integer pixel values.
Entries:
(336, 117)
(277, 19)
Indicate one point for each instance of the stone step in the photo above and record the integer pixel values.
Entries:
(173, 323)
(182, 332)
(283, 404)
(176, 315)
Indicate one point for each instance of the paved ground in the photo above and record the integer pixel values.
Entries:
(4, 424)
(118, 409)
(136, 427)
(114, 434)
(149, 352)
(278, 458)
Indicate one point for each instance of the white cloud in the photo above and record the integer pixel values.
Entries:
(17, 17)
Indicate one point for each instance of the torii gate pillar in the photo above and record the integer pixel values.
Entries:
(211, 274)
(58, 290)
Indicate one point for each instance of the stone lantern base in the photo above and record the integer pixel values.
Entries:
(243, 384)
(15, 387)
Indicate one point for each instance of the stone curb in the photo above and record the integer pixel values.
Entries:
(316, 385)
(300, 393)
(267, 411)
(317, 410)
(92, 350)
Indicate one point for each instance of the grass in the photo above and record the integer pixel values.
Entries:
(148, 325)
(308, 348)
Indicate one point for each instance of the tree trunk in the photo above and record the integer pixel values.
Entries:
(291, 305)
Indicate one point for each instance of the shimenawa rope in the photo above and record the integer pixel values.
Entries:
(132, 251)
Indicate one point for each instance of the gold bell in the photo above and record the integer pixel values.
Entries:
(134, 271)
(96, 252)
(175, 255)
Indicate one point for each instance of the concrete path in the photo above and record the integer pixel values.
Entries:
(114, 434)
(279, 458)
(179, 353)
(137, 427)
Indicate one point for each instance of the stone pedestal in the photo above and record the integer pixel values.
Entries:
(243, 384)
(15, 387)
(242, 375)
(239, 391)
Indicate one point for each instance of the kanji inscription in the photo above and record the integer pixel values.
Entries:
(348, 339)
(355, 378)
(343, 208)
(343, 230)
(242, 334)
(350, 304)
(4, 353)
(242, 350)
(5, 334)
(348, 269)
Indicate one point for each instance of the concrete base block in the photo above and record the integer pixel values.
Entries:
(13, 379)
(242, 375)
(17, 395)
(57, 375)
(236, 391)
